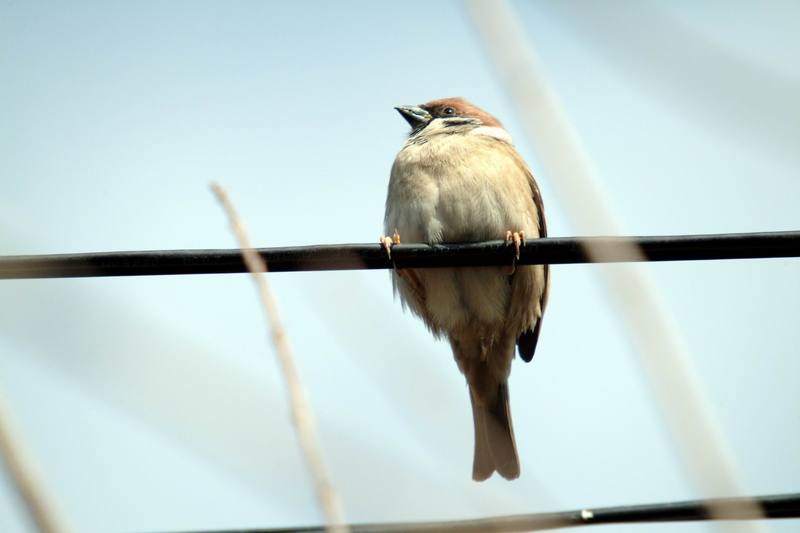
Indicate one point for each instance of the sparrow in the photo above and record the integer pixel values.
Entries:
(458, 178)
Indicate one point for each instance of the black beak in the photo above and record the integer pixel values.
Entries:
(417, 117)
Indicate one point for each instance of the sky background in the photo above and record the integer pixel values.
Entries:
(155, 403)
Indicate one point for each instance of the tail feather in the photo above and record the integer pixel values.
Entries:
(495, 448)
(482, 463)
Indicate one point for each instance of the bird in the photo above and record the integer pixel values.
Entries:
(458, 178)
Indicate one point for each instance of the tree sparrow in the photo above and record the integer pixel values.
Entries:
(458, 178)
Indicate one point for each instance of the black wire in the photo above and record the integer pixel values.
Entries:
(776, 506)
(371, 256)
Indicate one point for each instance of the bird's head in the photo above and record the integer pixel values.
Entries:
(447, 115)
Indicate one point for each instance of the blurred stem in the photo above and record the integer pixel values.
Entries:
(301, 412)
(25, 477)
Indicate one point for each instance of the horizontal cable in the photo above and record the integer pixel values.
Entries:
(559, 250)
(778, 506)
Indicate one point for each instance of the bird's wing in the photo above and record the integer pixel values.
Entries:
(526, 343)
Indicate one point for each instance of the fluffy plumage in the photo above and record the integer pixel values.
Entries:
(458, 178)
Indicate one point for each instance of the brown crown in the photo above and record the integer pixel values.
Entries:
(462, 108)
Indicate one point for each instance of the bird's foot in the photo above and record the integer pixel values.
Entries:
(388, 242)
(406, 274)
(517, 238)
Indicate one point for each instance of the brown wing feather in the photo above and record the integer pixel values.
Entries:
(526, 343)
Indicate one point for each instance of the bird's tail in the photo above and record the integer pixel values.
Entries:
(495, 448)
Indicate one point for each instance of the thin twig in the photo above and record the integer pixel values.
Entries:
(301, 412)
(40, 506)
(701, 444)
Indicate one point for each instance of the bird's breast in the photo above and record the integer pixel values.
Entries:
(457, 188)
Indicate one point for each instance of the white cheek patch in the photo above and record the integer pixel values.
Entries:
(493, 131)
(435, 125)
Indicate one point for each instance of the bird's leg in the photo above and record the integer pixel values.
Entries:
(518, 239)
(406, 273)
(388, 242)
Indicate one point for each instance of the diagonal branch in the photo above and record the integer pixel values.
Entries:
(24, 476)
(700, 443)
(301, 412)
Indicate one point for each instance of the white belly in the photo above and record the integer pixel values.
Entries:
(442, 191)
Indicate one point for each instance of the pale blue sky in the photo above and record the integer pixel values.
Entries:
(155, 403)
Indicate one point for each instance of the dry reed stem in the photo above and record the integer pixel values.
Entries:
(25, 477)
(663, 356)
(301, 412)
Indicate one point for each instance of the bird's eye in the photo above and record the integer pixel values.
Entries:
(448, 111)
